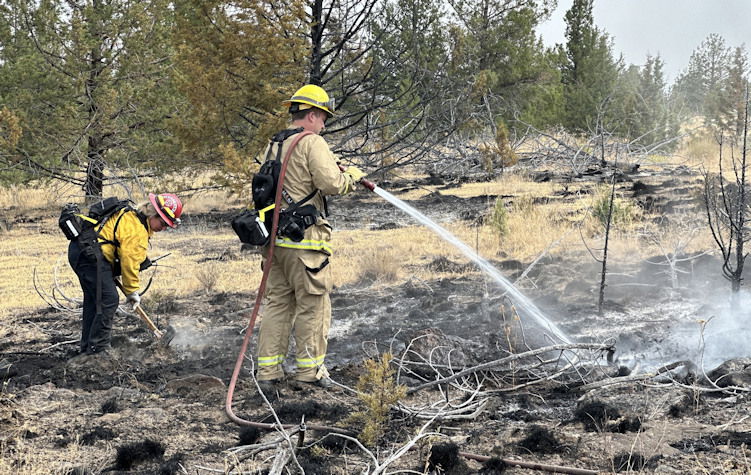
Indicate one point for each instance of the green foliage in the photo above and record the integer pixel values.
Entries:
(88, 81)
(726, 104)
(589, 72)
(498, 218)
(624, 211)
(235, 66)
(494, 48)
(378, 391)
(706, 67)
(645, 113)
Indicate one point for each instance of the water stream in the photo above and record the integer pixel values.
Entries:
(523, 305)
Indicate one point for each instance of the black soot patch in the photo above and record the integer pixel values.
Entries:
(627, 462)
(333, 443)
(293, 411)
(99, 433)
(110, 406)
(596, 415)
(132, 454)
(709, 443)
(540, 440)
(494, 466)
(627, 424)
(249, 435)
(445, 456)
(312, 463)
(172, 466)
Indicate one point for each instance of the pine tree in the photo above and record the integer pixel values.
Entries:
(707, 68)
(724, 109)
(236, 62)
(589, 71)
(645, 107)
(97, 96)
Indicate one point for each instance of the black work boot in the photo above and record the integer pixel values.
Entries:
(268, 386)
(324, 382)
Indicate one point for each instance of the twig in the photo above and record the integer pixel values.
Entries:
(508, 359)
(66, 342)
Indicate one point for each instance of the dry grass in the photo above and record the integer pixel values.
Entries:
(701, 151)
(27, 197)
(205, 259)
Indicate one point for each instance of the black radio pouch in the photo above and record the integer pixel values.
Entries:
(250, 229)
(253, 226)
(294, 220)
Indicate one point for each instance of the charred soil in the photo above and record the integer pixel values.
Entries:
(146, 408)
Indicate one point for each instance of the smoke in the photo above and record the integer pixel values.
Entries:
(723, 333)
(706, 325)
(196, 338)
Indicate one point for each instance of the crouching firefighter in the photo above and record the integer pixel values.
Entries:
(300, 278)
(112, 240)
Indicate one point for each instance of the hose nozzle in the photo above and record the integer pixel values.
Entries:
(366, 183)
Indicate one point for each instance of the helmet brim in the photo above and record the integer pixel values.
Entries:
(153, 200)
(289, 103)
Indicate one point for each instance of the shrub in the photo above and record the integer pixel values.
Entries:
(208, 276)
(624, 211)
(498, 219)
(381, 264)
(378, 391)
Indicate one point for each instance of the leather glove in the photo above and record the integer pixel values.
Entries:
(355, 173)
(134, 299)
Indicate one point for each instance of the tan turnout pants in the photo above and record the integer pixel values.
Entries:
(297, 295)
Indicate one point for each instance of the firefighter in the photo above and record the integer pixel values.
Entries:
(122, 245)
(300, 278)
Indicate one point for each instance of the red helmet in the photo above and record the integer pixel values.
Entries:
(168, 206)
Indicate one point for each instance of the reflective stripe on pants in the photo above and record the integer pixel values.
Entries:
(295, 297)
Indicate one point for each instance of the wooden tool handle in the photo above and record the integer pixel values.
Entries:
(142, 313)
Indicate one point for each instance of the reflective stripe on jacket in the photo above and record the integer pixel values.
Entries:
(307, 244)
(134, 241)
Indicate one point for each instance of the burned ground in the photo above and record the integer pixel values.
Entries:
(152, 409)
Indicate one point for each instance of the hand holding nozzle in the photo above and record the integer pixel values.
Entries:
(358, 176)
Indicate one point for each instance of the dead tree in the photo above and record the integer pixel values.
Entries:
(672, 237)
(727, 206)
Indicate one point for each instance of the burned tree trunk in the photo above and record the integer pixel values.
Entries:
(726, 204)
(604, 272)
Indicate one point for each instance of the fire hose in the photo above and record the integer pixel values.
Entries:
(246, 340)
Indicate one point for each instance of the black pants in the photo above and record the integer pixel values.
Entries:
(96, 327)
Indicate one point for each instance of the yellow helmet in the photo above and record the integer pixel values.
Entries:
(309, 96)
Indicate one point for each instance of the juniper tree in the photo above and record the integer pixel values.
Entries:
(236, 62)
(589, 72)
(87, 79)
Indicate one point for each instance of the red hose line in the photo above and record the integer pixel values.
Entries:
(259, 298)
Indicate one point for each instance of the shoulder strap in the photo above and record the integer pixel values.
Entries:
(280, 185)
(294, 205)
(280, 137)
(126, 209)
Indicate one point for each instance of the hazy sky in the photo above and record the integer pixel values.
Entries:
(670, 28)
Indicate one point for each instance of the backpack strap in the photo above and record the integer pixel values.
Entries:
(279, 138)
(127, 209)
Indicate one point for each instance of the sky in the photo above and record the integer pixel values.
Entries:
(672, 29)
